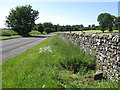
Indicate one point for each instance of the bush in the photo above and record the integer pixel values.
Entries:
(47, 30)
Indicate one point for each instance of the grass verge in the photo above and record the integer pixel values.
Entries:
(9, 37)
(8, 34)
(53, 63)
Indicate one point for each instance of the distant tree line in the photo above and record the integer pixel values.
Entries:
(49, 27)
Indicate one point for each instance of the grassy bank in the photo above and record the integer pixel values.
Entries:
(53, 63)
(7, 34)
(98, 31)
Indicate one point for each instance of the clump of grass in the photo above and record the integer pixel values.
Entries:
(35, 69)
(34, 33)
(8, 33)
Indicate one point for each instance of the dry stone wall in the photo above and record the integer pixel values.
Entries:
(106, 47)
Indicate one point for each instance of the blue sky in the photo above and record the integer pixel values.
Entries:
(63, 13)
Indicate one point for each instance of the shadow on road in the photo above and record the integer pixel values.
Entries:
(45, 36)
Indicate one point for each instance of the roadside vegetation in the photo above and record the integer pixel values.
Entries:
(53, 63)
(8, 34)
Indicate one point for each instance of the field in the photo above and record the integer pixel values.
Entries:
(53, 63)
(98, 31)
(7, 34)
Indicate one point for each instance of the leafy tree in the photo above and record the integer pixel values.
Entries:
(58, 27)
(55, 28)
(97, 27)
(118, 23)
(67, 27)
(110, 22)
(81, 27)
(47, 30)
(89, 26)
(40, 28)
(77, 27)
(21, 19)
(114, 21)
(47, 25)
(105, 20)
(93, 27)
(63, 28)
(35, 27)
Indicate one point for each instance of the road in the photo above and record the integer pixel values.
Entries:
(13, 47)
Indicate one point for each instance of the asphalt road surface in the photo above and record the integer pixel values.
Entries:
(13, 47)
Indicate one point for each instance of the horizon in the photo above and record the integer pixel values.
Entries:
(63, 13)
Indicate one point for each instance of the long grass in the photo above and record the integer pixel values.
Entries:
(8, 34)
(53, 63)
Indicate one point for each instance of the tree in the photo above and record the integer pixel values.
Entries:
(40, 28)
(67, 28)
(89, 27)
(93, 27)
(35, 27)
(115, 21)
(21, 19)
(110, 22)
(48, 30)
(58, 27)
(47, 25)
(81, 27)
(55, 28)
(118, 23)
(105, 20)
(115, 26)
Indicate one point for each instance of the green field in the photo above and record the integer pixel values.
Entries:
(7, 34)
(53, 63)
(98, 31)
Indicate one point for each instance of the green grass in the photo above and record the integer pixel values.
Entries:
(98, 31)
(9, 37)
(34, 33)
(53, 63)
(8, 34)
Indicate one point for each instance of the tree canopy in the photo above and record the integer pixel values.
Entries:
(107, 20)
(21, 19)
(40, 28)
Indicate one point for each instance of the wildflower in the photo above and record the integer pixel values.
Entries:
(40, 50)
(43, 86)
(45, 49)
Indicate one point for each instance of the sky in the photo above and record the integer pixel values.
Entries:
(63, 12)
